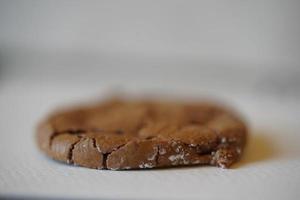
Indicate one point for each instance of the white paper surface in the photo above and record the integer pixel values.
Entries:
(270, 168)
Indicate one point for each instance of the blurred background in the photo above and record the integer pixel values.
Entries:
(197, 46)
(56, 52)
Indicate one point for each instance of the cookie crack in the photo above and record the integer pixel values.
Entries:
(104, 164)
(95, 145)
(71, 149)
(71, 132)
(157, 155)
(105, 155)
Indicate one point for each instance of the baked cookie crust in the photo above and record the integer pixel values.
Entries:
(120, 134)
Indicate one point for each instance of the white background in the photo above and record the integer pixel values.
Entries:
(246, 53)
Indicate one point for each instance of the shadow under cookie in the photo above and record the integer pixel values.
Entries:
(259, 148)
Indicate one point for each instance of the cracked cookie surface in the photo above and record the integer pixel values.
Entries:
(123, 134)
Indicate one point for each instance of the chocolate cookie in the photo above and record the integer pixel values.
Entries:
(125, 134)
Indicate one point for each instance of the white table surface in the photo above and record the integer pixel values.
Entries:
(270, 168)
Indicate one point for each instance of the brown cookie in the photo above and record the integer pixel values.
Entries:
(125, 134)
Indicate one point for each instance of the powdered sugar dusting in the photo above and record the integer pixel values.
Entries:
(146, 165)
(239, 150)
(223, 140)
(162, 151)
(178, 158)
(178, 149)
(152, 157)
